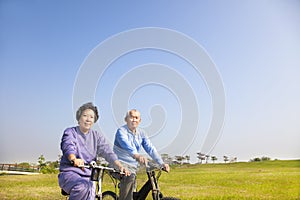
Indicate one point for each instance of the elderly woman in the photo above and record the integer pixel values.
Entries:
(79, 145)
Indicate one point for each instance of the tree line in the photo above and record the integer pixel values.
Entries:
(206, 158)
(47, 167)
(202, 158)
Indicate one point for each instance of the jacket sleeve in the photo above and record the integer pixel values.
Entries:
(150, 149)
(68, 142)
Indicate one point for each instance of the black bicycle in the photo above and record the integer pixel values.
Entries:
(152, 185)
(153, 173)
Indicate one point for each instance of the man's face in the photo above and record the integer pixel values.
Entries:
(133, 120)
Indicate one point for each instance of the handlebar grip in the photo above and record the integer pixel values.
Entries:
(83, 166)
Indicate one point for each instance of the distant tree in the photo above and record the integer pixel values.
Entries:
(59, 158)
(201, 157)
(255, 160)
(214, 158)
(42, 161)
(264, 158)
(187, 158)
(206, 158)
(226, 159)
(24, 165)
(54, 164)
(47, 167)
(179, 159)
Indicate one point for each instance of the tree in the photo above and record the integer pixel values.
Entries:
(59, 158)
(47, 167)
(255, 160)
(214, 158)
(226, 158)
(42, 161)
(206, 158)
(25, 165)
(179, 159)
(201, 157)
(264, 158)
(234, 159)
(187, 158)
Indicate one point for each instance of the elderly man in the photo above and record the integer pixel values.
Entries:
(129, 140)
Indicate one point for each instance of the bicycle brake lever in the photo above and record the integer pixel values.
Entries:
(164, 169)
(93, 164)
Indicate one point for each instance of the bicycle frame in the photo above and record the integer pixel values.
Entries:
(97, 178)
(150, 185)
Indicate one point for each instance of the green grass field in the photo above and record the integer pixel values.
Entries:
(255, 180)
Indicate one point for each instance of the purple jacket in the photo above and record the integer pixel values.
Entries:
(84, 146)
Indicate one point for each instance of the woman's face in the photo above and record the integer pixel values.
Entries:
(86, 120)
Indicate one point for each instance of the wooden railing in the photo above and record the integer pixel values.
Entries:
(16, 167)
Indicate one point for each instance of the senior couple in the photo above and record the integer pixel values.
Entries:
(81, 144)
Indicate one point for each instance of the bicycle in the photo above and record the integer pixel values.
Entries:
(151, 184)
(98, 172)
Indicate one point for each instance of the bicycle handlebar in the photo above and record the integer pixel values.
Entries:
(152, 166)
(94, 165)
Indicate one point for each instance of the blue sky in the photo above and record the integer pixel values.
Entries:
(254, 45)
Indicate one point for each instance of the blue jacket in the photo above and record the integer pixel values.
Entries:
(127, 144)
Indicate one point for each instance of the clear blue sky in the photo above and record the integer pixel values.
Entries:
(254, 45)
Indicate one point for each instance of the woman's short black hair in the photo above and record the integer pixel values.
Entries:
(85, 106)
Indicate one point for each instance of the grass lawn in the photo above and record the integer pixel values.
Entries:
(255, 180)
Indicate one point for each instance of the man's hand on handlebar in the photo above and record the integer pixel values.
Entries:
(141, 159)
(166, 167)
(122, 168)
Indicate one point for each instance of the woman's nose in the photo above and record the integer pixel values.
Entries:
(89, 119)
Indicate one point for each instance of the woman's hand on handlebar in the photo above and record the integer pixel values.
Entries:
(77, 162)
